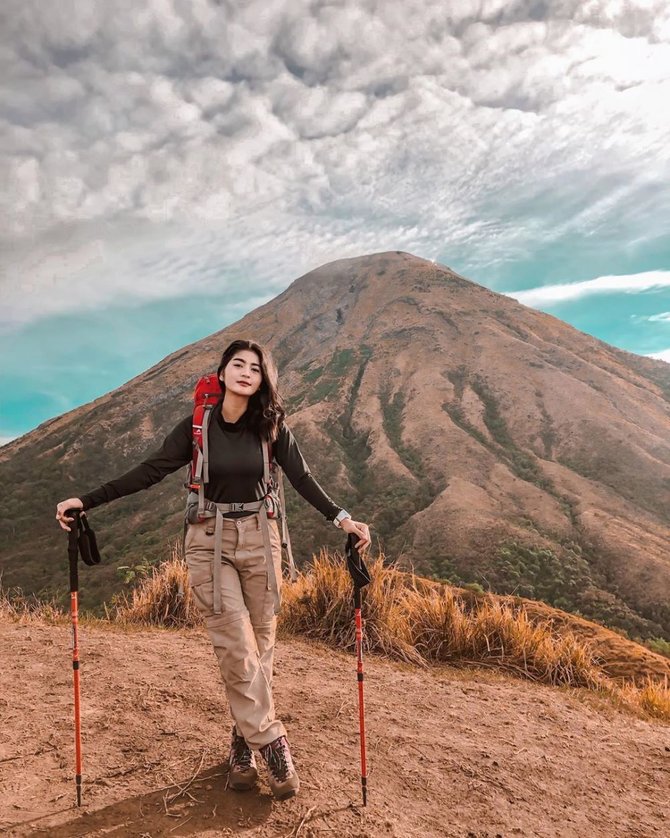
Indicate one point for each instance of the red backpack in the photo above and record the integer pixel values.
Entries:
(206, 394)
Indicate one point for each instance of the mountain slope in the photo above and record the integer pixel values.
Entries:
(485, 442)
(450, 753)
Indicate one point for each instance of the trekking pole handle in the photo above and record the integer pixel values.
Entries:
(73, 549)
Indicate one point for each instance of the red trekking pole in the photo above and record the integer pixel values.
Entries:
(73, 555)
(361, 578)
(81, 538)
(361, 700)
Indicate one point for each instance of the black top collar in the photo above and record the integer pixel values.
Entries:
(234, 427)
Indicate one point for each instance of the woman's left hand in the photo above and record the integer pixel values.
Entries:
(360, 529)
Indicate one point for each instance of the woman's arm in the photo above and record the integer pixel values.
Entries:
(289, 457)
(175, 452)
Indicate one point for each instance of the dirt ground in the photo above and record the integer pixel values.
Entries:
(451, 753)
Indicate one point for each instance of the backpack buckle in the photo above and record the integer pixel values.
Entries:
(237, 507)
(270, 505)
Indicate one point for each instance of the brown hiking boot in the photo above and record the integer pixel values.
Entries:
(284, 780)
(242, 773)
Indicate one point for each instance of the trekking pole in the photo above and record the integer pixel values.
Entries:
(361, 700)
(361, 578)
(81, 539)
(73, 555)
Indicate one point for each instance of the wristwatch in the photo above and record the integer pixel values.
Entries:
(341, 516)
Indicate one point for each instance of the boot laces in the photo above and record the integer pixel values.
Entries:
(278, 758)
(241, 755)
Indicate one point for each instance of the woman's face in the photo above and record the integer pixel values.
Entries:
(242, 374)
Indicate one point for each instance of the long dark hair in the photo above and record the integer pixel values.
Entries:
(266, 411)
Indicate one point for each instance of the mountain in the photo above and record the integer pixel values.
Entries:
(484, 441)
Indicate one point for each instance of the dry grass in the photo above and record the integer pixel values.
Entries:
(653, 698)
(412, 619)
(16, 606)
(161, 599)
(407, 618)
(320, 605)
(488, 632)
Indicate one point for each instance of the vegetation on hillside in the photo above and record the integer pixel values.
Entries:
(569, 576)
(38, 475)
(568, 579)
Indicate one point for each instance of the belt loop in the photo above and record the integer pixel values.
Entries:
(216, 569)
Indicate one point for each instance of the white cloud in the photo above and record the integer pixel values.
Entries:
(661, 356)
(4, 440)
(663, 317)
(548, 295)
(151, 149)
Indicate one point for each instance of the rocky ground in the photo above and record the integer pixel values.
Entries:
(451, 753)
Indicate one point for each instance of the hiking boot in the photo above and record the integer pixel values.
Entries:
(242, 773)
(283, 777)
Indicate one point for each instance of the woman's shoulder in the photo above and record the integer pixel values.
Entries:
(285, 439)
(183, 428)
(185, 423)
(284, 429)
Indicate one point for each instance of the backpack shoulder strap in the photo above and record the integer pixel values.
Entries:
(272, 480)
(267, 456)
(206, 394)
(285, 536)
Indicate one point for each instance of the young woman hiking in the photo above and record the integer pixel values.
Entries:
(238, 595)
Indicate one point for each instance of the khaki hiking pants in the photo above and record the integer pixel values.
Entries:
(243, 635)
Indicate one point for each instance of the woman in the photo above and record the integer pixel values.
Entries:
(238, 596)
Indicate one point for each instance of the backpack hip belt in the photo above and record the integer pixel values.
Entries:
(217, 510)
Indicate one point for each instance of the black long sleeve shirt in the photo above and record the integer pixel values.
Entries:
(235, 466)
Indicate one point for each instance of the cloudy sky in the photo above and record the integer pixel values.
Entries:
(168, 165)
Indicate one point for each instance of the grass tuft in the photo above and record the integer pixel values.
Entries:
(487, 632)
(16, 606)
(161, 599)
(320, 605)
(653, 698)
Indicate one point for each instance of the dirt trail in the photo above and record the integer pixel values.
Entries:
(451, 753)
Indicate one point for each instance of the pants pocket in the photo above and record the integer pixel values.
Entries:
(201, 582)
(200, 535)
(275, 545)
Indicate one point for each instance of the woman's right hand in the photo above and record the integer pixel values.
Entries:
(63, 507)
